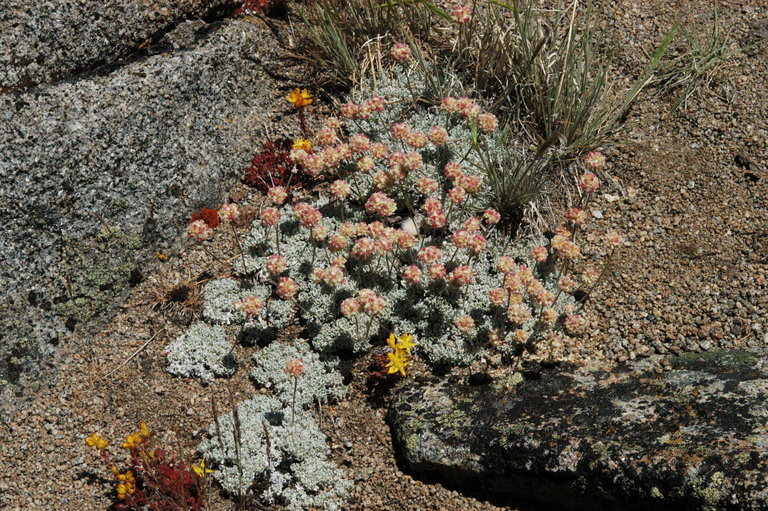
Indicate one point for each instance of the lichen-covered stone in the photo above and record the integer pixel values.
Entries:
(693, 438)
(102, 171)
(50, 40)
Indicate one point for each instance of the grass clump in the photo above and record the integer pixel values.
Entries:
(694, 64)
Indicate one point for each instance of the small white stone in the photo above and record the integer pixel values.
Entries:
(597, 213)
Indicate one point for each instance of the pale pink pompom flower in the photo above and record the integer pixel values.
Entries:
(461, 14)
(199, 231)
(229, 212)
(294, 367)
(401, 52)
(276, 264)
(465, 324)
(287, 288)
(251, 305)
(594, 160)
(589, 182)
(277, 195)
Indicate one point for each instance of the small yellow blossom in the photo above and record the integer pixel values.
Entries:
(397, 363)
(132, 441)
(143, 430)
(302, 143)
(300, 98)
(201, 469)
(405, 342)
(96, 441)
(161, 256)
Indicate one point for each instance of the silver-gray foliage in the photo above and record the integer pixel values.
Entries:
(203, 352)
(319, 383)
(281, 459)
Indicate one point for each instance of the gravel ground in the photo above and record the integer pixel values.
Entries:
(690, 193)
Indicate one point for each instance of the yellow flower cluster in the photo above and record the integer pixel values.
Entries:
(201, 469)
(300, 98)
(96, 441)
(401, 356)
(135, 440)
(302, 143)
(126, 484)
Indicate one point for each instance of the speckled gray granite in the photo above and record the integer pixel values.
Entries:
(48, 40)
(99, 172)
(693, 438)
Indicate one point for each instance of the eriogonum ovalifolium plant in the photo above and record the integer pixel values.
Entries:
(403, 240)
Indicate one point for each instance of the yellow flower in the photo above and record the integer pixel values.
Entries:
(162, 257)
(132, 441)
(302, 143)
(201, 470)
(300, 98)
(397, 363)
(143, 430)
(405, 342)
(96, 441)
(392, 341)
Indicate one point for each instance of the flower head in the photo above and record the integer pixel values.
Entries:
(412, 274)
(251, 305)
(401, 52)
(350, 307)
(303, 144)
(276, 264)
(487, 122)
(300, 98)
(277, 195)
(199, 231)
(594, 160)
(229, 212)
(294, 367)
(96, 441)
(589, 182)
(397, 363)
(340, 189)
(200, 469)
(270, 216)
(461, 14)
(465, 324)
(437, 135)
(378, 203)
(287, 288)
(540, 253)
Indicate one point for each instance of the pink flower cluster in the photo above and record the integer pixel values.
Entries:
(251, 305)
(401, 52)
(462, 14)
(307, 215)
(366, 301)
(363, 110)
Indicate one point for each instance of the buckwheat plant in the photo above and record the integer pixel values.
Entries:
(404, 239)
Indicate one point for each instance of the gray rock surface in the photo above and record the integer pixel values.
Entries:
(48, 40)
(694, 438)
(99, 172)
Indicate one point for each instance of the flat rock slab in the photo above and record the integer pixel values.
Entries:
(693, 438)
(100, 172)
(48, 40)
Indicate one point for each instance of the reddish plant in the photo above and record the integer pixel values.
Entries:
(270, 167)
(256, 6)
(209, 216)
(154, 479)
